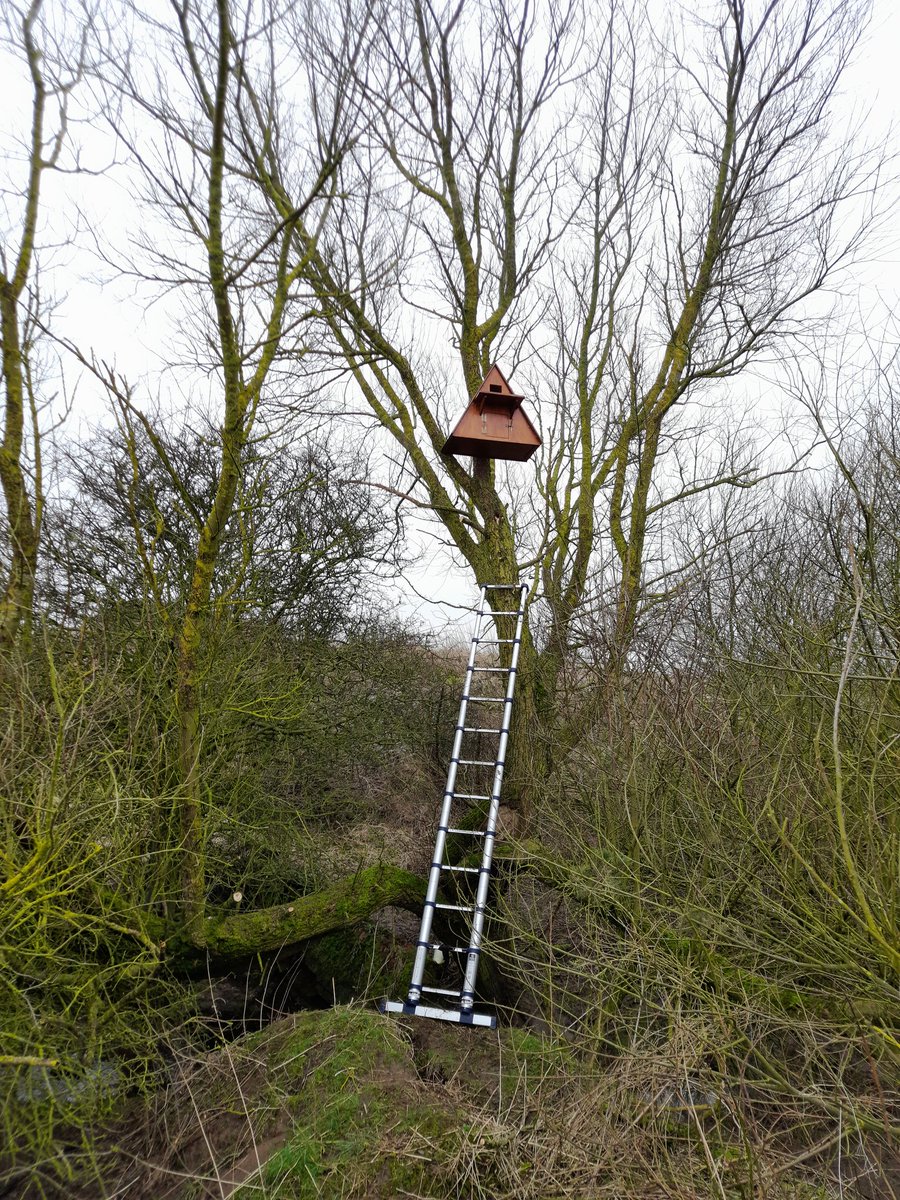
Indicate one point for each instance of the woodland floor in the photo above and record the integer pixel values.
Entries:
(347, 1103)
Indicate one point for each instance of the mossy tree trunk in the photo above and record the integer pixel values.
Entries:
(23, 506)
(234, 431)
(240, 935)
(340, 906)
(18, 589)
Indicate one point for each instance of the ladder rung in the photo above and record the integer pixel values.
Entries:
(458, 1005)
(452, 949)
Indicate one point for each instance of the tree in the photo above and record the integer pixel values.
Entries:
(307, 536)
(465, 177)
(31, 35)
(235, 264)
(853, 401)
(624, 224)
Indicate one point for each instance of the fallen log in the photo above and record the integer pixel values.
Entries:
(238, 935)
(340, 906)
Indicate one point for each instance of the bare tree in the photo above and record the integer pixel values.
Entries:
(753, 233)
(624, 223)
(53, 70)
(851, 393)
(306, 539)
(191, 114)
(458, 168)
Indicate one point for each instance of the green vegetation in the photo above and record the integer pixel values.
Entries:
(685, 935)
(346, 1104)
(99, 983)
(222, 742)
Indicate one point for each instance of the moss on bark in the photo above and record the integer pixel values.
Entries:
(345, 903)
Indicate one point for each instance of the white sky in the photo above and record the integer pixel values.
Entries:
(111, 317)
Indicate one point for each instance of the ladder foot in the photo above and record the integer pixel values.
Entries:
(439, 1014)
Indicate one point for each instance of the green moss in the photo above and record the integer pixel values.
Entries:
(344, 904)
(353, 963)
(367, 1118)
(527, 1044)
(348, 1077)
(342, 1037)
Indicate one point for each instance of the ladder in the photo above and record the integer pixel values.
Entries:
(450, 1004)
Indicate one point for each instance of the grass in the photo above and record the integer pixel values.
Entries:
(697, 919)
(347, 1103)
(89, 865)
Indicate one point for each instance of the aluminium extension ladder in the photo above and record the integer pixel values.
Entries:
(458, 1005)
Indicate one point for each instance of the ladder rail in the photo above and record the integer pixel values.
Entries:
(467, 995)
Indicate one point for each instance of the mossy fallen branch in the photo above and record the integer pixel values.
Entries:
(345, 903)
(234, 935)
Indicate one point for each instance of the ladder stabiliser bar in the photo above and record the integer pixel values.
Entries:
(438, 1014)
(459, 1005)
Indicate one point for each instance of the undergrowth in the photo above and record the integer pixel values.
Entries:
(702, 936)
(710, 918)
(91, 1013)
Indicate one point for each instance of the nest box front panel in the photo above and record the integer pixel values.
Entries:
(495, 423)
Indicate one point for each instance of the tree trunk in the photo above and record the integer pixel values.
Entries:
(191, 643)
(18, 591)
(340, 906)
(233, 437)
(494, 561)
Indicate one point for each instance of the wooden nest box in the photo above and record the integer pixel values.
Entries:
(494, 425)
